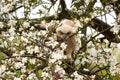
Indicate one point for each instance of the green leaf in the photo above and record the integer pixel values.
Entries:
(7, 76)
(2, 55)
(40, 72)
(18, 73)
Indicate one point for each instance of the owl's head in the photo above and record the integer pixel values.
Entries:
(65, 30)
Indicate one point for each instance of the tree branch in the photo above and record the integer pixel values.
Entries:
(116, 7)
(31, 56)
(100, 26)
(63, 5)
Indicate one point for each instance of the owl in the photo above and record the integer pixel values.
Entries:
(66, 33)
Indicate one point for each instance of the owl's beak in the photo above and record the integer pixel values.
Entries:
(64, 36)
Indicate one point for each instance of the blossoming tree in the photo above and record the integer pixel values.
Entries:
(30, 52)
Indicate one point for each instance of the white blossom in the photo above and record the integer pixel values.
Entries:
(77, 76)
(5, 43)
(73, 8)
(11, 38)
(2, 69)
(1, 25)
(26, 3)
(24, 60)
(107, 50)
(57, 56)
(63, 46)
(32, 76)
(45, 75)
(90, 44)
(86, 69)
(26, 24)
(52, 42)
(24, 39)
(30, 34)
(106, 41)
(60, 70)
(93, 77)
(113, 68)
(18, 65)
(102, 61)
(12, 31)
(12, 23)
(113, 45)
(88, 1)
(17, 78)
(32, 28)
(42, 32)
(93, 52)
(30, 49)
(15, 54)
(22, 52)
(32, 61)
(84, 60)
(77, 61)
(6, 8)
(113, 60)
(115, 29)
(108, 8)
(86, 20)
(78, 24)
(55, 15)
(23, 70)
(36, 49)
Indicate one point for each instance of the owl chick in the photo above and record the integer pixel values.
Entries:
(66, 33)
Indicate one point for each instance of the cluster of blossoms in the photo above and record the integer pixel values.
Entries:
(27, 48)
(6, 7)
(116, 28)
(77, 76)
(93, 56)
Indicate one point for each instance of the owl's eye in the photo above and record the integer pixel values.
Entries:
(68, 33)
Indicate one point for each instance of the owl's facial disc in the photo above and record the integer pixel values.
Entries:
(64, 35)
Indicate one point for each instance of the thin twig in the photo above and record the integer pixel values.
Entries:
(91, 39)
(32, 56)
